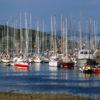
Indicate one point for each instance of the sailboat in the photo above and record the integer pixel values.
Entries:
(21, 61)
(6, 56)
(66, 60)
(53, 60)
(30, 57)
(44, 56)
(37, 57)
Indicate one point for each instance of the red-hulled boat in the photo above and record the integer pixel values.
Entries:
(68, 65)
(96, 69)
(22, 65)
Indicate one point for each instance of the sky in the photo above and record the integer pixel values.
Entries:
(44, 9)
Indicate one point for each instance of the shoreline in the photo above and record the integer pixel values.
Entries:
(22, 96)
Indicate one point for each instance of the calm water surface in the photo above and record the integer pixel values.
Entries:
(40, 78)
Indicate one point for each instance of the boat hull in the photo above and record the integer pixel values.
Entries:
(96, 70)
(22, 65)
(68, 65)
(81, 62)
(53, 63)
(37, 60)
(88, 71)
(5, 60)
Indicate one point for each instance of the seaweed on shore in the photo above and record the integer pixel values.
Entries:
(18, 96)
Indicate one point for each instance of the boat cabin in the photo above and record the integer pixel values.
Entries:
(85, 54)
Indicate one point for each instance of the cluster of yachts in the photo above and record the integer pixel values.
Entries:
(84, 60)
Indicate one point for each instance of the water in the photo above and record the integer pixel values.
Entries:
(40, 78)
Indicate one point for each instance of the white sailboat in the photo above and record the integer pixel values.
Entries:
(37, 57)
(6, 57)
(53, 58)
(30, 57)
(44, 56)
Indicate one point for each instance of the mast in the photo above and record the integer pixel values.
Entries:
(30, 31)
(14, 38)
(26, 34)
(66, 36)
(55, 44)
(51, 42)
(80, 31)
(95, 45)
(37, 39)
(3, 39)
(7, 38)
(62, 35)
(4, 33)
(21, 36)
(1, 45)
(89, 37)
(43, 42)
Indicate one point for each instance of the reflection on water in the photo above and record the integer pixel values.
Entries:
(52, 72)
(37, 66)
(85, 75)
(20, 69)
(40, 78)
(52, 69)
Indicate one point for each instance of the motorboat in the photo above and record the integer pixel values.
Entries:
(88, 67)
(83, 56)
